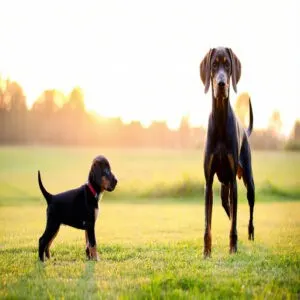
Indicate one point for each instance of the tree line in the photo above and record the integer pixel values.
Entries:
(58, 119)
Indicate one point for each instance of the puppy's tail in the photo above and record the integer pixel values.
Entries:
(47, 195)
(250, 127)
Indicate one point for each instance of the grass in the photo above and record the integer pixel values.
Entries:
(153, 251)
(150, 230)
(142, 174)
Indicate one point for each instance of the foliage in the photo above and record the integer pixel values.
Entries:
(292, 145)
(58, 119)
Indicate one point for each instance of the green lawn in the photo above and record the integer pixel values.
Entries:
(150, 230)
(154, 251)
(141, 173)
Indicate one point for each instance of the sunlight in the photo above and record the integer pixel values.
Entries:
(137, 69)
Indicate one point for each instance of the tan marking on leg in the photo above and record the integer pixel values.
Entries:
(217, 59)
(87, 239)
(210, 163)
(87, 245)
(231, 162)
(96, 213)
(239, 172)
(93, 253)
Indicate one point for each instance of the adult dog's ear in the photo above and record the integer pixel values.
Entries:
(205, 70)
(236, 68)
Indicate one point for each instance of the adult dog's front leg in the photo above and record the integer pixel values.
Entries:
(233, 216)
(208, 215)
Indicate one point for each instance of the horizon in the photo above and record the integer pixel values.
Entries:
(141, 61)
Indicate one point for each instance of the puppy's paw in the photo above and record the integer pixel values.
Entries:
(93, 254)
(87, 252)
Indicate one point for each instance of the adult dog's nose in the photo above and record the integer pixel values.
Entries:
(221, 83)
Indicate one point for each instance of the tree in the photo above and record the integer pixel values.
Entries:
(296, 131)
(2, 103)
(13, 112)
(275, 123)
(14, 97)
(46, 103)
(76, 101)
(184, 131)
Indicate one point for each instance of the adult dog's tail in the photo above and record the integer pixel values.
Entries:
(47, 195)
(250, 127)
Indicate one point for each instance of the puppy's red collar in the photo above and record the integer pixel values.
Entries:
(92, 190)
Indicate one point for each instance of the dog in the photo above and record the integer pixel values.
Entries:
(227, 151)
(77, 207)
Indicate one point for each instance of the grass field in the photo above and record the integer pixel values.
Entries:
(143, 174)
(150, 246)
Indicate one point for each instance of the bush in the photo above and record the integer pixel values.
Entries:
(292, 145)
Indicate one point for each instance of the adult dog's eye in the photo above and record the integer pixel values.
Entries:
(214, 65)
(227, 65)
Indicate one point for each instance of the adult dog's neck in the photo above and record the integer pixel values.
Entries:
(220, 109)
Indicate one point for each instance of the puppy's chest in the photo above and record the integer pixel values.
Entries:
(97, 209)
(93, 207)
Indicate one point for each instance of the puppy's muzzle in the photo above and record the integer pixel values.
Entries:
(112, 183)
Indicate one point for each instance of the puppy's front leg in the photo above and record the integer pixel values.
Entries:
(92, 247)
(87, 245)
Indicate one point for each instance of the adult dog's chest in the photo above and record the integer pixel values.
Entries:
(222, 163)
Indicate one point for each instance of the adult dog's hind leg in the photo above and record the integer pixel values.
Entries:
(208, 215)
(251, 201)
(225, 198)
(249, 183)
(233, 216)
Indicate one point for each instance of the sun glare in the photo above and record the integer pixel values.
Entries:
(134, 62)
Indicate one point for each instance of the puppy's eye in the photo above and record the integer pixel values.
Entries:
(106, 172)
(227, 65)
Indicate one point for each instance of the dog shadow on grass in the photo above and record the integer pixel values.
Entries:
(86, 284)
(52, 279)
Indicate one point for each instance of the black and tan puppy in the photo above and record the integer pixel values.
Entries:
(227, 150)
(78, 207)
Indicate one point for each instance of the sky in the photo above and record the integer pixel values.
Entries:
(140, 59)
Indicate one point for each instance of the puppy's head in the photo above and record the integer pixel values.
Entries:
(218, 65)
(101, 174)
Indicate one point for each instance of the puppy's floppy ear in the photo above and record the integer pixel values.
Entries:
(96, 173)
(236, 68)
(205, 70)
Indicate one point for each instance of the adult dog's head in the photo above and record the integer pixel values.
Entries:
(218, 65)
(101, 176)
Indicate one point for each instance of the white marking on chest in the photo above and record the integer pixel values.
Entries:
(97, 210)
(96, 213)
